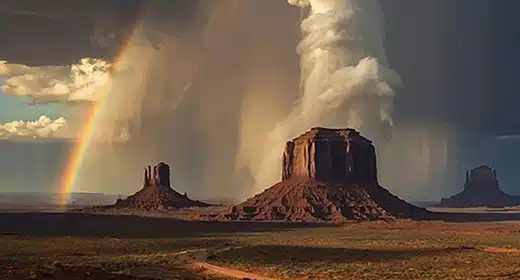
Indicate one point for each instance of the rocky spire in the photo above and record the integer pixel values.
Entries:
(158, 176)
(157, 193)
(146, 181)
(163, 174)
(155, 177)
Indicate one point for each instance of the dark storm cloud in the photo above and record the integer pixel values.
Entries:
(458, 62)
(61, 31)
(456, 58)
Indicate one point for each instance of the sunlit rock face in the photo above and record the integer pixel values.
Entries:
(327, 175)
(331, 155)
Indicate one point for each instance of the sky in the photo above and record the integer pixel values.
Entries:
(14, 108)
(457, 59)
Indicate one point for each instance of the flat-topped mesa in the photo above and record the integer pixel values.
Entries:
(331, 155)
(328, 175)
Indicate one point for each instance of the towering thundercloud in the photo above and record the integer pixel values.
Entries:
(345, 77)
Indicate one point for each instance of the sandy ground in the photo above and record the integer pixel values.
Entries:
(515, 210)
(229, 272)
(69, 246)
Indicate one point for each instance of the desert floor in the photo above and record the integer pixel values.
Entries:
(81, 246)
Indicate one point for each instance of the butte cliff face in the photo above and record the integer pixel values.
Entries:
(328, 175)
(160, 177)
(156, 194)
(331, 155)
(481, 189)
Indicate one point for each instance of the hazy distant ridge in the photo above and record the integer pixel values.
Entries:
(35, 198)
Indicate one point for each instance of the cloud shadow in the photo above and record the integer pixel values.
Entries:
(91, 225)
(276, 254)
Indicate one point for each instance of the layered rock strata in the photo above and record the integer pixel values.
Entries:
(327, 175)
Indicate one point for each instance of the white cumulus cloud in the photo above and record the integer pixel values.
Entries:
(43, 128)
(81, 82)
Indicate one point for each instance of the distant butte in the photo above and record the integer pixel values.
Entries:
(327, 175)
(155, 195)
(481, 189)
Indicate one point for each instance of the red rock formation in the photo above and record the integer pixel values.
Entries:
(308, 200)
(328, 175)
(147, 177)
(156, 194)
(161, 175)
(331, 155)
(480, 189)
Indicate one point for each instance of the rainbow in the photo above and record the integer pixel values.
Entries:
(81, 146)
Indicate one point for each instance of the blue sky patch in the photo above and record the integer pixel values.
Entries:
(17, 108)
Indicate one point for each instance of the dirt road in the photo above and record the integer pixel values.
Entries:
(229, 272)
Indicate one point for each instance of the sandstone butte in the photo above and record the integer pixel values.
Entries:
(327, 175)
(481, 189)
(155, 195)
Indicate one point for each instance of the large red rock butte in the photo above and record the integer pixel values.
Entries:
(481, 189)
(328, 175)
(156, 194)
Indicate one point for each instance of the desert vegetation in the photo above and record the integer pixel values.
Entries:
(192, 249)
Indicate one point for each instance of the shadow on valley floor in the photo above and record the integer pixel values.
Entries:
(119, 249)
(473, 217)
(79, 224)
(277, 254)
